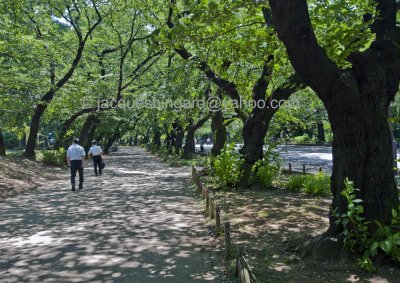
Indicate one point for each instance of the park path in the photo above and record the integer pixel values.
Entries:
(136, 223)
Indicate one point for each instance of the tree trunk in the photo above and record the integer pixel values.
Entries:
(34, 130)
(321, 132)
(157, 139)
(2, 145)
(87, 131)
(254, 131)
(218, 129)
(362, 152)
(67, 124)
(357, 100)
(189, 147)
(257, 125)
(179, 140)
(112, 140)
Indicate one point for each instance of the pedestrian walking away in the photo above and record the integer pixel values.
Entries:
(75, 156)
(95, 151)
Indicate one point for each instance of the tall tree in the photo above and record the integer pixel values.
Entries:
(356, 97)
(71, 12)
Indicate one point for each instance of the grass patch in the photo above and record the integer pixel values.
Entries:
(316, 184)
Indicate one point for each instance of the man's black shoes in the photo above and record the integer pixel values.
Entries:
(80, 187)
(73, 188)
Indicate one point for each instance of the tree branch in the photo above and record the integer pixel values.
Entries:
(292, 23)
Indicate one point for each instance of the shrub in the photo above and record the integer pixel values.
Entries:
(266, 174)
(54, 157)
(267, 170)
(295, 182)
(318, 184)
(10, 140)
(227, 166)
(304, 139)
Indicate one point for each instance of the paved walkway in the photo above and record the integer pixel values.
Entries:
(136, 223)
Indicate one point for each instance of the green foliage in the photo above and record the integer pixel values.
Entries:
(267, 170)
(316, 184)
(227, 166)
(357, 235)
(295, 182)
(54, 157)
(304, 139)
(10, 140)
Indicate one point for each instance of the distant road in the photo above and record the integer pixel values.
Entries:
(313, 157)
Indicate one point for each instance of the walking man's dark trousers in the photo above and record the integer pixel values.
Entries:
(76, 165)
(96, 163)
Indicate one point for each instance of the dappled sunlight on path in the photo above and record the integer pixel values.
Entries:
(136, 223)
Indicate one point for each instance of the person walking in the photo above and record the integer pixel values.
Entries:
(96, 152)
(75, 156)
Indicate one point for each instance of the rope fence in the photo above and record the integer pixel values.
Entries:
(243, 270)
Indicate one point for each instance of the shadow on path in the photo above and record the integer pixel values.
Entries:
(136, 223)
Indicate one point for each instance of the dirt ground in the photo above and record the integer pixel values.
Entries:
(272, 223)
(138, 222)
(19, 175)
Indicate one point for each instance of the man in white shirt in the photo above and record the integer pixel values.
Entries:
(75, 156)
(96, 152)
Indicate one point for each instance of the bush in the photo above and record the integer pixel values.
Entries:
(10, 140)
(318, 184)
(304, 139)
(266, 174)
(54, 157)
(265, 171)
(227, 166)
(295, 182)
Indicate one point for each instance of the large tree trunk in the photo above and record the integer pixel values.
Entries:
(88, 136)
(179, 140)
(362, 151)
(34, 130)
(2, 145)
(157, 139)
(257, 125)
(88, 130)
(218, 129)
(357, 100)
(190, 147)
(67, 124)
(321, 132)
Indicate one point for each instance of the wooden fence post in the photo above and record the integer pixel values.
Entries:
(290, 168)
(320, 169)
(304, 169)
(207, 199)
(227, 237)
(217, 221)
(211, 209)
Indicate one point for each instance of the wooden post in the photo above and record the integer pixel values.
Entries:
(203, 193)
(320, 169)
(211, 209)
(193, 170)
(217, 221)
(207, 199)
(241, 267)
(304, 169)
(290, 168)
(227, 237)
